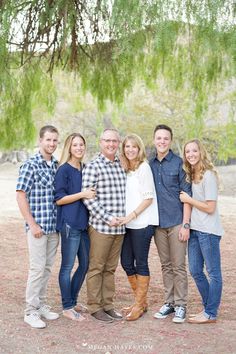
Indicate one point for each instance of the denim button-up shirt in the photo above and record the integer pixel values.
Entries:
(170, 179)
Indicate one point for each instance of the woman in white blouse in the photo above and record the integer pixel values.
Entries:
(141, 215)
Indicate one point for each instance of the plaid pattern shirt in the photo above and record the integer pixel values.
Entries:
(109, 180)
(36, 179)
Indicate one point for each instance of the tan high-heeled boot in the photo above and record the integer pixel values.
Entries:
(133, 283)
(141, 294)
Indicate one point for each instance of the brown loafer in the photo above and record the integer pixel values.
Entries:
(114, 314)
(201, 319)
(195, 314)
(81, 308)
(102, 316)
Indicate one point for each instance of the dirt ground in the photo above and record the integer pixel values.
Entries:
(147, 335)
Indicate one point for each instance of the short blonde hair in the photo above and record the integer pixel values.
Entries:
(141, 154)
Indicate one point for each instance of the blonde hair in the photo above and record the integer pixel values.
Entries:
(66, 154)
(141, 154)
(205, 163)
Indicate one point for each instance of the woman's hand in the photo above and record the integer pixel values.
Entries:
(123, 220)
(184, 197)
(89, 193)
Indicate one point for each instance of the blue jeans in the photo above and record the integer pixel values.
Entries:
(205, 248)
(135, 249)
(73, 243)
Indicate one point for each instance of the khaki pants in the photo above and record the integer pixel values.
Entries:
(42, 252)
(172, 253)
(103, 260)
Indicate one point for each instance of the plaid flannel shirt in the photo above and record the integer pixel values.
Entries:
(109, 180)
(36, 179)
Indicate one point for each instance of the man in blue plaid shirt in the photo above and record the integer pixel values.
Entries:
(108, 178)
(35, 197)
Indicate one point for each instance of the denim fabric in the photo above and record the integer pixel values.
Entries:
(204, 248)
(170, 179)
(73, 243)
(135, 249)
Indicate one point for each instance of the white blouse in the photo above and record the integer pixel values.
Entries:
(140, 186)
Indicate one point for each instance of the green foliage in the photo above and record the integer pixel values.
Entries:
(26, 88)
(111, 45)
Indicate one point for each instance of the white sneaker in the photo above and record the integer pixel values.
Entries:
(34, 320)
(45, 312)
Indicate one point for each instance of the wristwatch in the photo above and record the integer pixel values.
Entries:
(186, 225)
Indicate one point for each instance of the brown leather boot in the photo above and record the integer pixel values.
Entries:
(133, 283)
(141, 293)
(145, 303)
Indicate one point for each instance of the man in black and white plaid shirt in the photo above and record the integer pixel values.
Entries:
(106, 175)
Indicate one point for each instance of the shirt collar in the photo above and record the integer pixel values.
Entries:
(168, 157)
(106, 160)
(40, 159)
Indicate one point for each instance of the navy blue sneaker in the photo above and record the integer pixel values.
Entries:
(164, 311)
(180, 314)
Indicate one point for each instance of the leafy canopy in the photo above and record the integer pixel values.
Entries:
(110, 45)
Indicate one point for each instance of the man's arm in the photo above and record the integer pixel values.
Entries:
(26, 213)
(90, 180)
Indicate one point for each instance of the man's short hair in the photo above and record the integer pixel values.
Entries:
(110, 129)
(47, 128)
(163, 126)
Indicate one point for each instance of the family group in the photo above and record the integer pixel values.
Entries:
(108, 210)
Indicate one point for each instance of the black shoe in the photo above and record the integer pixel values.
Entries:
(101, 315)
(114, 314)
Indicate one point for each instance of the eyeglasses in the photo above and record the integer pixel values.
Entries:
(108, 141)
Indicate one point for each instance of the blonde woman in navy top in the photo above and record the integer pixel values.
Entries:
(72, 222)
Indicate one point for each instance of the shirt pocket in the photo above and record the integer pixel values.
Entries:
(44, 179)
(171, 179)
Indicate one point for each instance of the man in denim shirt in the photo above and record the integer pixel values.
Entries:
(173, 231)
(35, 197)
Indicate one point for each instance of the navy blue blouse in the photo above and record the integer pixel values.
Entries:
(68, 180)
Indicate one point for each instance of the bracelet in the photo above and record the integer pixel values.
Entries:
(135, 214)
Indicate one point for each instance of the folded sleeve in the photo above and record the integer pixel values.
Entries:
(146, 181)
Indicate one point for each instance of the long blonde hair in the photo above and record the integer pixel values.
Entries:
(141, 154)
(66, 154)
(205, 163)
